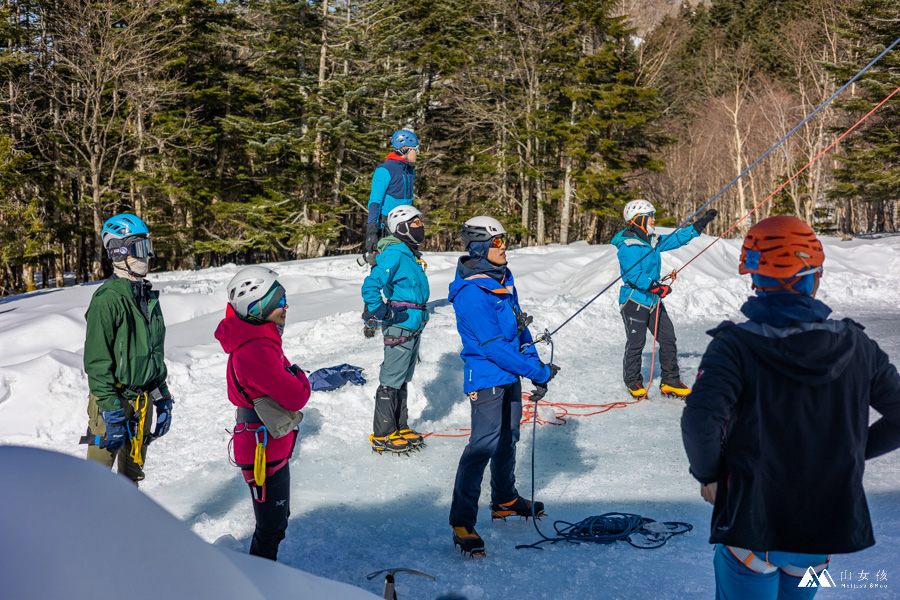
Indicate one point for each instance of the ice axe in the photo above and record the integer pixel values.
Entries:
(389, 593)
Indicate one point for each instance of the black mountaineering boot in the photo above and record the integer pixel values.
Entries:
(468, 541)
(520, 507)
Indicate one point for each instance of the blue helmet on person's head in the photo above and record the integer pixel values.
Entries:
(404, 138)
(121, 227)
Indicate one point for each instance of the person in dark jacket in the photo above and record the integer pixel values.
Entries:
(251, 335)
(123, 354)
(638, 249)
(497, 352)
(392, 186)
(777, 430)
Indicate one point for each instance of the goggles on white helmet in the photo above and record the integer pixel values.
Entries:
(254, 292)
(480, 229)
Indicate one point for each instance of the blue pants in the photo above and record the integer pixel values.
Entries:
(495, 430)
(735, 581)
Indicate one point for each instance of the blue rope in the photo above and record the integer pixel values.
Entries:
(606, 528)
(733, 181)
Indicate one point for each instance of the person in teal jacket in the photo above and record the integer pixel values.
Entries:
(641, 294)
(399, 274)
(123, 354)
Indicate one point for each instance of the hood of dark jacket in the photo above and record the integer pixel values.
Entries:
(492, 277)
(392, 240)
(233, 332)
(793, 336)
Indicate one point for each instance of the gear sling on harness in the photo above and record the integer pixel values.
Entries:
(137, 437)
(396, 340)
(281, 422)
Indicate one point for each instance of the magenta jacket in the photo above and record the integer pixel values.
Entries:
(261, 368)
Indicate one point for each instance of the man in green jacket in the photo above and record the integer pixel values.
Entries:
(123, 354)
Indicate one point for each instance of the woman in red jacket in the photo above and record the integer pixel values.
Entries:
(251, 334)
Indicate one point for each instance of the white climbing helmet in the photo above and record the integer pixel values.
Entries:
(401, 214)
(637, 207)
(480, 229)
(250, 285)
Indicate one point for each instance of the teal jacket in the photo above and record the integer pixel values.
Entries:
(634, 248)
(122, 346)
(399, 275)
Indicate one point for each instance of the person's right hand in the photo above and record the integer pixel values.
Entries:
(660, 289)
(392, 315)
(116, 433)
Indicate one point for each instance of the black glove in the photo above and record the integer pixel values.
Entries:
(116, 434)
(371, 237)
(701, 223)
(660, 289)
(163, 416)
(541, 388)
(523, 321)
(386, 314)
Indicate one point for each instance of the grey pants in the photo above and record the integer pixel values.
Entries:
(400, 360)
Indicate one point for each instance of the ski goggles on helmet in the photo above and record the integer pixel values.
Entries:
(275, 298)
(136, 247)
(498, 241)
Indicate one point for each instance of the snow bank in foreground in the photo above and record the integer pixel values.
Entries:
(71, 529)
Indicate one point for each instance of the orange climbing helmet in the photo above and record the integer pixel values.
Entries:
(782, 248)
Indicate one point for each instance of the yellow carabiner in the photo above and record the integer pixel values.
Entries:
(259, 464)
(137, 439)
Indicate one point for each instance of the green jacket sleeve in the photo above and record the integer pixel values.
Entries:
(99, 352)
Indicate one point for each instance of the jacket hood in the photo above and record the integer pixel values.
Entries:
(791, 335)
(480, 272)
(233, 332)
(630, 232)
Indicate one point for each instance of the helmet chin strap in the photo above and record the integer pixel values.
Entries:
(644, 219)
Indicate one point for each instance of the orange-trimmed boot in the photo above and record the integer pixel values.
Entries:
(468, 541)
(520, 507)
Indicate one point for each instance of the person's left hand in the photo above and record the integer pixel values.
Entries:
(163, 416)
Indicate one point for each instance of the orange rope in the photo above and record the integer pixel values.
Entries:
(794, 176)
(530, 414)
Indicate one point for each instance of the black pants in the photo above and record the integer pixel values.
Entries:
(495, 430)
(272, 507)
(391, 412)
(638, 319)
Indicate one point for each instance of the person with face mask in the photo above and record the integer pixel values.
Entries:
(641, 294)
(392, 186)
(123, 354)
(398, 275)
(251, 335)
(498, 352)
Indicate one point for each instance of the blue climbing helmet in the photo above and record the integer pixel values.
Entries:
(124, 235)
(404, 138)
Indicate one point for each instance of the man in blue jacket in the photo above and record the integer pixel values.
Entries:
(777, 428)
(399, 274)
(494, 333)
(392, 186)
(641, 294)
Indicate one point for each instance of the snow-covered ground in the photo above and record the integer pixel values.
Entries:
(355, 512)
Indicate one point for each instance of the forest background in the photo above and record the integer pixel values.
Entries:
(247, 131)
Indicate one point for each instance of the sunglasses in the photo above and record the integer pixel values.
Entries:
(498, 241)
